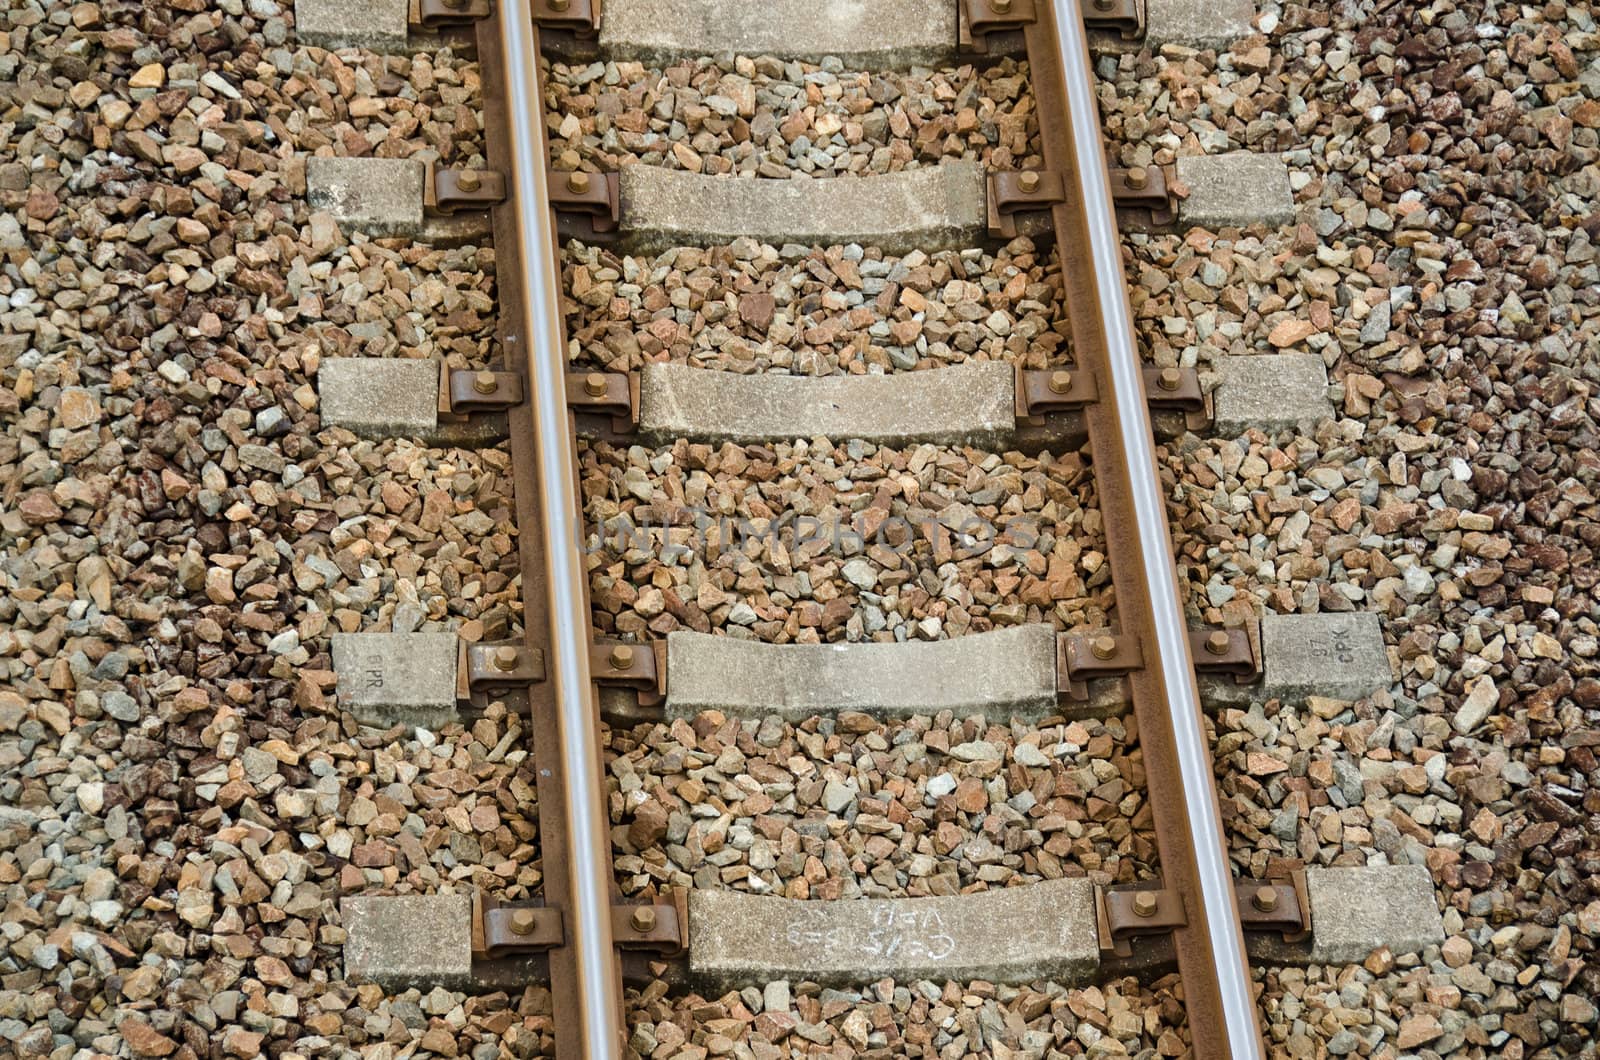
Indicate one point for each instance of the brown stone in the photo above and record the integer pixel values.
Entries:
(757, 308)
(144, 1039)
(1289, 332)
(38, 508)
(438, 1039)
(649, 825)
(971, 796)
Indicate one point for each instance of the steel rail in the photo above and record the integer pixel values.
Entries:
(1223, 1018)
(587, 838)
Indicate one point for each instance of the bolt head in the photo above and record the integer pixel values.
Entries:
(1217, 642)
(1265, 899)
(643, 919)
(505, 658)
(1000, 7)
(1102, 5)
(621, 657)
(469, 180)
(560, 5)
(1169, 379)
(1137, 178)
(1145, 903)
(1060, 382)
(1029, 180)
(594, 384)
(483, 383)
(1103, 647)
(578, 181)
(522, 922)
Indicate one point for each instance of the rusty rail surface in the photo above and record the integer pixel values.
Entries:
(583, 966)
(1166, 701)
(585, 973)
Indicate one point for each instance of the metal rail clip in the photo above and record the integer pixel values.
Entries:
(1173, 388)
(1040, 391)
(1129, 914)
(983, 22)
(1081, 657)
(503, 930)
(586, 206)
(496, 664)
(1283, 906)
(606, 403)
(506, 930)
(1178, 390)
(1119, 16)
(1141, 195)
(659, 928)
(1225, 651)
(432, 14)
(612, 392)
(633, 666)
(1012, 192)
(468, 391)
(455, 190)
(580, 16)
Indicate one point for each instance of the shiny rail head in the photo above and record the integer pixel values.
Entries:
(1237, 1029)
(588, 878)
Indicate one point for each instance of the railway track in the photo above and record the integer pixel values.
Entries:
(1209, 941)
(1087, 401)
(283, 765)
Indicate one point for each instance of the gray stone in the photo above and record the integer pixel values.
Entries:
(1354, 910)
(1271, 392)
(871, 33)
(1197, 22)
(376, 24)
(1006, 672)
(933, 208)
(1590, 79)
(378, 196)
(1482, 698)
(120, 705)
(12, 817)
(1049, 931)
(1340, 656)
(378, 397)
(389, 679)
(1235, 189)
(410, 940)
(971, 404)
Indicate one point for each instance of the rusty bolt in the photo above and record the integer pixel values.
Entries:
(1265, 899)
(522, 922)
(1169, 378)
(469, 180)
(1145, 903)
(1137, 178)
(594, 384)
(578, 181)
(1029, 181)
(621, 657)
(643, 919)
(560, 5)
(1217, 642)
(1000, 7)
(1102, 5)
(505, 658)
(1103, 647)
(455, 5)
(483, 383)
(1060, 382)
